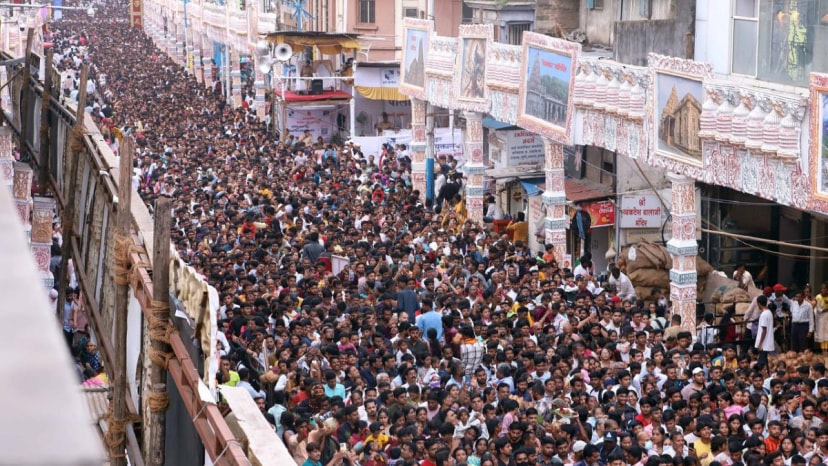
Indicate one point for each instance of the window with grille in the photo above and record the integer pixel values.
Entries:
(515, 32)
(367, 11)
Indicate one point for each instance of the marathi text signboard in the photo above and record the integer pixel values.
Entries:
(525, 148)
(641, 211)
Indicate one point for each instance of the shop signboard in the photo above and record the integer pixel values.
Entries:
(525, 148)
(641, 211)
(602, 213)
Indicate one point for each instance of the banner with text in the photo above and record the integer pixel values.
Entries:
(136, 13)
(602, 213)
(641, 211)
(525, 148)
(319, 122)
(445, 143)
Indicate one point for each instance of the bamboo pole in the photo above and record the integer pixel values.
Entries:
(157, 427)
(73, 159)
(123, 221)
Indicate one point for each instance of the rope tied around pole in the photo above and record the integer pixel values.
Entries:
(160, 330)
(116, 432)
(159, 324)
(123, 247)
(76, 143)
(158, 401)
(135, 277)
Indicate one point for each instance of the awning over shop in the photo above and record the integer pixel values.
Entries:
(585, 190)
(523, 171)
(291, 96)
(491, 123)
(381, 93)
(379, 81)
(328, 44)
(533, 186)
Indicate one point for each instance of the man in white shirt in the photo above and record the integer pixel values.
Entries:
(802, 322)
(493, 211)
(764, 335)
(623, 286)
(744, 277)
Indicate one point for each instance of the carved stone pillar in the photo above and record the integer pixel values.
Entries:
(197, 70)
(181, 50)
(207, 60)
(259, 85)
(474, 168)
(683, 249)
(42, 215)
(6, 157)
(418, 145)
(235, 75)
(554, 198)
(23, 191)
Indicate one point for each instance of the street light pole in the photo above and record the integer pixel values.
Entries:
(429, 168)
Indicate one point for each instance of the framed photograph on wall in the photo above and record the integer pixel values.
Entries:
(415, 47)
(547, 80)
(678, 94)
(819, 136)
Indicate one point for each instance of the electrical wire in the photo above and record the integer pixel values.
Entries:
(739, 238)
(741, 203)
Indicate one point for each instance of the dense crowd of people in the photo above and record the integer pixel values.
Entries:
(436, 342)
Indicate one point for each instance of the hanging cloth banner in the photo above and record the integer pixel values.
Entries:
(136, 13)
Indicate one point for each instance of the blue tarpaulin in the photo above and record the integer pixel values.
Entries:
(491, 123)
(532, 186)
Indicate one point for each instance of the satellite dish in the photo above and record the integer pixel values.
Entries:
(283, 52)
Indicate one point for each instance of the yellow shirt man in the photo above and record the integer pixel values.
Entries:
(519, 228)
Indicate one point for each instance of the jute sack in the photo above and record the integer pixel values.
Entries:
(650, 278)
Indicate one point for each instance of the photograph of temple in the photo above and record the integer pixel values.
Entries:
(414, 54)
(547, 86)
(678, 124)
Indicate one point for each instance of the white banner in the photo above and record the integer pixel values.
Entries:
(319, 122)
(445, 143)
(389, 77)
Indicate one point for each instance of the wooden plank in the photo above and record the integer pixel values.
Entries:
(161, 290)
(45, 129)
(123, 226)
(69, 211)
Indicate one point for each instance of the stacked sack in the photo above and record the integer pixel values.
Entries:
(648, 265)
(723, 292)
